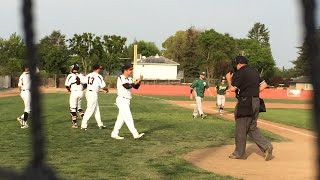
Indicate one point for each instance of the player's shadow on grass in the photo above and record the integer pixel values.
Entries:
(158, 128)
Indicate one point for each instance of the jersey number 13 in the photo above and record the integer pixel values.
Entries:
(90, 80)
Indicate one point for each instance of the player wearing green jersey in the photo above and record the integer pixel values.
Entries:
(198, 86)
(221, 88)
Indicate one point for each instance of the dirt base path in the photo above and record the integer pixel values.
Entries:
(212, 104)
(292, 160)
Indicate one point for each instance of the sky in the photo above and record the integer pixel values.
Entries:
(156, 20)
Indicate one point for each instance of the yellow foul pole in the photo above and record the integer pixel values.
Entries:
(135, 59)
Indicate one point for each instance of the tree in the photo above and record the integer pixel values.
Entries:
(53, 53)
(259, 57)
(83, 46)
(282, 76)
(114, 49)
(174, 46)
(217, 50)
(12, 54)
(183, 48)
(260, 33)
(144, 48)
(301, 64)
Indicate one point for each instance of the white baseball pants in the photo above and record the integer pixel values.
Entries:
(92, 107)
(124, 116)
(26, 97)
(75, 100)
(221, 99)
(198, 108)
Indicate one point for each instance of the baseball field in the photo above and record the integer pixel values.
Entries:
(175, 146)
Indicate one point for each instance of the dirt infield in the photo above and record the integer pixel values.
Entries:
(292, 160)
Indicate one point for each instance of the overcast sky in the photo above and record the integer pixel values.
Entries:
(156, 20)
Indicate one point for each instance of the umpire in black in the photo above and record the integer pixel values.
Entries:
(247, 84)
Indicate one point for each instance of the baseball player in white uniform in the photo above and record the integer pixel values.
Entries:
(94, 83)
(124, 85)
(24, 86)
(75, 87)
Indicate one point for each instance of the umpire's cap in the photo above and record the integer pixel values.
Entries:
(241, 60)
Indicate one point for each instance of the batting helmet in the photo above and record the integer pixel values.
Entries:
(74, 68)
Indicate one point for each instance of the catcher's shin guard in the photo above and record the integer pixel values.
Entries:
(25, 116)
(73, 117)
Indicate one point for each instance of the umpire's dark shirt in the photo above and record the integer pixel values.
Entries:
(247, 82)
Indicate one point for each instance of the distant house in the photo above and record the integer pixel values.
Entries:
(301, 83)
(156, 68)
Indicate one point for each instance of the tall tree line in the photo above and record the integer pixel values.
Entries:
(196, 50)
(213, 52)
(56, 53)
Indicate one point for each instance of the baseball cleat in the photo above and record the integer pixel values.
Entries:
(20, 120)
(117, 137)
(203, 116)
(84, 129)
(268, 153)
(24, 125)
(194, 116)
(138, 136)
(102, 127)
(74, 125)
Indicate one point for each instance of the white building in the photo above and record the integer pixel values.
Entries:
(156, 68)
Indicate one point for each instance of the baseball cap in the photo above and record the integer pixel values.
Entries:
(203, 73)
(241, 60)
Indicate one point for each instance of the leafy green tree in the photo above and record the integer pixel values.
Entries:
(257, 49)
(12, 54)
(86, 46)
(113, 48)
(144, 48)
(53, 53)
(259, 57)
(183, 47)
(175, 46)
(260, 33)
(217, 50)
(301, 64)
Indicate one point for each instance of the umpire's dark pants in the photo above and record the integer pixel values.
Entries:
(248, 126)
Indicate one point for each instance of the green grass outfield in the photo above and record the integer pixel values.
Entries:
(230, 99)
(300, 118)
(170, 133)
